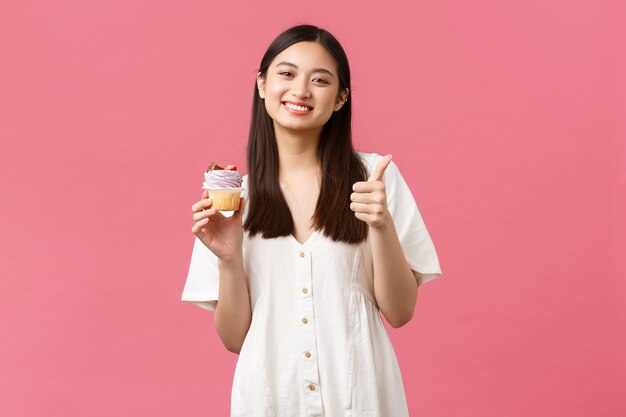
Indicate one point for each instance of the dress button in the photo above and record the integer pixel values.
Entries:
(302, 254)
(305, 320)
(304, 290)
(307, 354)
(312, 387)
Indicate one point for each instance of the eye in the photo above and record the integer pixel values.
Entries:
(284, 72)
(321, 79)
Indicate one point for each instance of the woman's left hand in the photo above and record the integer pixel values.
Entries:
(369, 200)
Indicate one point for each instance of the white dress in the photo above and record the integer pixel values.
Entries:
(316, 344)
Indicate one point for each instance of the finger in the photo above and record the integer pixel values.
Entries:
(363, 216)
(198, 227)
(206, 214)
(362, 208)
(377, 175)
(367, 198)
(202, 205)
(368, 187)
(239, 211)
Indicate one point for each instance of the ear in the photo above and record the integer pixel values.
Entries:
(260, 83)
(341, 99)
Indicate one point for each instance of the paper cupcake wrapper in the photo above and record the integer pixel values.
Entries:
(225, 198)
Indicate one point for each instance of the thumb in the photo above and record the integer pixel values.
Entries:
(239, 211)
(377, 175)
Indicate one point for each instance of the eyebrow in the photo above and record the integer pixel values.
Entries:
(289, 64)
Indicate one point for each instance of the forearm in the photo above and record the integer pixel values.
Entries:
(233, 312)
(395, 286)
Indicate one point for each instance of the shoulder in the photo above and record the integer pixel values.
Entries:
(244, 185)
(371, 159)
(368, 157)
(244, 194)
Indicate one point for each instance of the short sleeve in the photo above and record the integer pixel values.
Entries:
(202, 285)
(412, 233)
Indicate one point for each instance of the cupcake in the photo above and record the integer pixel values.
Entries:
(223, 185)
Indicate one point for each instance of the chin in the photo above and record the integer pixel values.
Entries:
(291, 125)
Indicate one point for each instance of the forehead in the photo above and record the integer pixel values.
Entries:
(307, 55)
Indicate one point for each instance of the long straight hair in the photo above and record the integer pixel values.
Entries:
(341, 166)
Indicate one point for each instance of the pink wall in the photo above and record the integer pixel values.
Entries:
(506, 118)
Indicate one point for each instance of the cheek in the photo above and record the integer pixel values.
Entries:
(275, 89)
(328, 103)
(273, 95)
(330, 98)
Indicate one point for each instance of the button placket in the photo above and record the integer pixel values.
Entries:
(308, 342)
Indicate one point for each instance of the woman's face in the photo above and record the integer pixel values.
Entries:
(301, 89)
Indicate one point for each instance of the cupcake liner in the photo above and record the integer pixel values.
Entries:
(225, 198)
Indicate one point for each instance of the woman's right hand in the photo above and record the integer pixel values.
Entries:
(222, 235)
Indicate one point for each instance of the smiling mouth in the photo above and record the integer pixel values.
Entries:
(297, 108)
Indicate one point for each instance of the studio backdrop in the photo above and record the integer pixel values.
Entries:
(505, 118)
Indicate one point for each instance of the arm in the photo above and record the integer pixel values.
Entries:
(395, 284)
(224, 237)
(233, 311)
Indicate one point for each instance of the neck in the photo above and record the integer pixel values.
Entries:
(297, 150)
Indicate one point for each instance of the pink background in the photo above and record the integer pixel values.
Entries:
(506, 118)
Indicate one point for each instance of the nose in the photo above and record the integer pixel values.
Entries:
(300, 88)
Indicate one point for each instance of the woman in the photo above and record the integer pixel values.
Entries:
(325, 238)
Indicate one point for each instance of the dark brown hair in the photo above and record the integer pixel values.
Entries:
(268, 211)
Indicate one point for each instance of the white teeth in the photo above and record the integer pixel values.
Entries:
(300, 108)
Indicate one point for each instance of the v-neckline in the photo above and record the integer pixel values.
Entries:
(307, 242)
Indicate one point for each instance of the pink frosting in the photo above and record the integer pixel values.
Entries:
(219, 178)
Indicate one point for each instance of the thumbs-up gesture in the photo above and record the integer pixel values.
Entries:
(369, 200)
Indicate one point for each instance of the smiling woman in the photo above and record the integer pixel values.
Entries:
(325, 238)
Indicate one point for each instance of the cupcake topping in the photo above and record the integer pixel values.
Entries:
(217, 176)
(213, 167)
